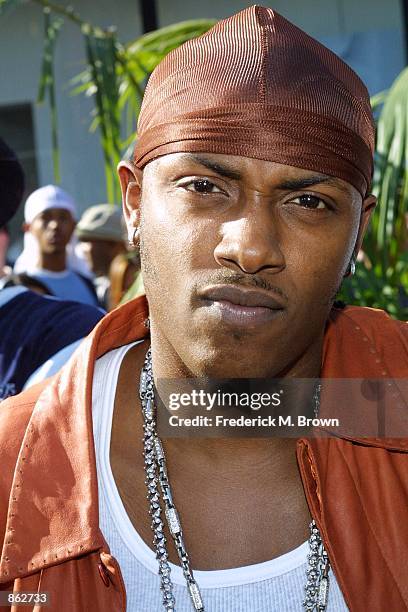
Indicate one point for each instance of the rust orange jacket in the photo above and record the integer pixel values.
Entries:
(357, 491)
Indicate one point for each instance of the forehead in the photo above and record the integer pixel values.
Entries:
(54, 213)
(259, 172)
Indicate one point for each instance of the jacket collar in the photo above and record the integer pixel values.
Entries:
(59, 441)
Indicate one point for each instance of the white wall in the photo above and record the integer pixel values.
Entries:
(314, 16)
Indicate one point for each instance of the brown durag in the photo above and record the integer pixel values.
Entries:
(257, 86)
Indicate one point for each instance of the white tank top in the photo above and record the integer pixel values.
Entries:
(276, 585)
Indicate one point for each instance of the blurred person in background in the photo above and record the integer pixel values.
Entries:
(24, 280)
(101, 231)
(126, 282)
(34, 330)
(12, 186)
(49, 246)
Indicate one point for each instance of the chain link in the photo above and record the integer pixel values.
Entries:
(317, 584)
(151, 471)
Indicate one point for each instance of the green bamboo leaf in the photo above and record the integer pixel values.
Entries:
(102, 58)
(387, 239)
(95, 123)
(378, 99)
(82, 77)
(404, 181)
(47, 83)
(131, 65)
(125, 144)
(86, 88)
(389, 193)
(153, 40)
(51, 30)
(132, 80)
(82, 83)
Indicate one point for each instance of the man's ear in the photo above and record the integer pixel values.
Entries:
(131, 185)
(367, 210)
(25, 227)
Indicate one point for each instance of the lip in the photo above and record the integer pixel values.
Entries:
(54, 239)
(243, 307)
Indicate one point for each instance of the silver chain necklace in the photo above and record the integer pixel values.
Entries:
(317, 579)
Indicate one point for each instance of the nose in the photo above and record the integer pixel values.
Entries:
(250, 244)
(53, 224)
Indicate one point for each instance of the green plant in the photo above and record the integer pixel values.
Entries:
(381, 279)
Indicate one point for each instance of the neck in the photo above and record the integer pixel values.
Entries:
(237, 460)
(227, 452)
(54, 262)
(167, 363)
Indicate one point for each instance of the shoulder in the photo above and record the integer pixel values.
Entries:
(15, 415)
(69, 308)
(10, 292)
(65, 319)
(43, 325)
(378, 324)
(362, 341)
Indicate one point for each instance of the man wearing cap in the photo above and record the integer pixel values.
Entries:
(37, 334)
(101, 234)
(249, 192)
(49, 246)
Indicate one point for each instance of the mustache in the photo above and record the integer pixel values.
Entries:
(250, 282)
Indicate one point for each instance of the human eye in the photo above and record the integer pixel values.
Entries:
(200, 185)
(309, 201)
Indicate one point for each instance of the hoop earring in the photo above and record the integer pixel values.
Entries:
(132, 242)
(351, 267)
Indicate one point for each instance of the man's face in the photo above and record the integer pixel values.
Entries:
(100, 253)
(53, 229)
(242, 258)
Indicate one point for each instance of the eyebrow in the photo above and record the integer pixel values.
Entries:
(216, 167)
(287, 185)
(310, 181)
